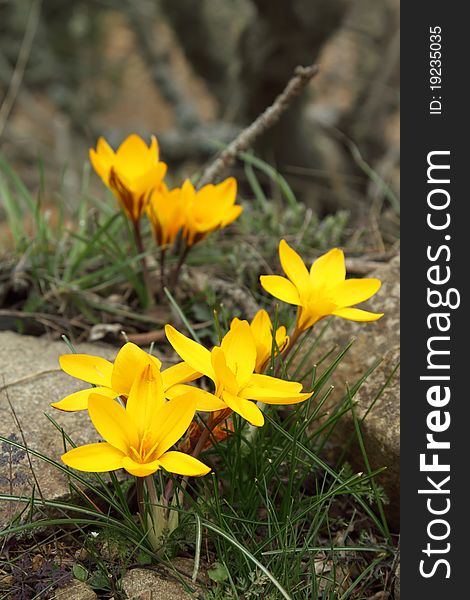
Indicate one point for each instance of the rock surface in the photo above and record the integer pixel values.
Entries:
(76, 591)
(143, 584)
(381, 427)
(374, 341)
(30, 379)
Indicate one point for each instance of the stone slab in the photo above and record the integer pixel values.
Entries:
(30, 379)
(379, 340)
(144, 584)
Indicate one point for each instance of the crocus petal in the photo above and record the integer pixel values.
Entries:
(282, 339)
(190, 351)
(146, 397)
(274, 391)
(246, 409)
(177, 390)
(130, 361)
(148, 181)
(231, 215)
(166, 213)
(353, 291)
(102, 159)
(188, 189)
(94, 458)
(356, 314)
(101, 167)
(179, 373)
(271, 384)
(294, 267)
(239, 348)
(140, 469)
(133, 157)
(171, 421)
(92, 369)
(225, 377)
(281, 288)
(262, 395)
(205, 401)
(154, 149)
(104, 149)
(183, 464)
(262, 330)
(261, 326)
(329, 269)
(308, 316)
(227, 190)
(112, 422)
(79, 400)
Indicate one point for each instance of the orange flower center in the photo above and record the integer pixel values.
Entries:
(145, 453)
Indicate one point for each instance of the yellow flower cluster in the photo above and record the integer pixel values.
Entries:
(134, 173)
(141, 411)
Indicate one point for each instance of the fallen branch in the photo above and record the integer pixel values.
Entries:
(267, 119)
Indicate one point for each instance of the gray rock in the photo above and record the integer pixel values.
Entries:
(77, 590)
(373, 341)
(143, 584)
(381, 427)
(30, 379)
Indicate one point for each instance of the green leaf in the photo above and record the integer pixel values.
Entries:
(79, 572)
(99, 581)
(218, 573)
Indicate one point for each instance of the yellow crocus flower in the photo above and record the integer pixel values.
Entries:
(231, 366)
(262, 330)
(165, 211)
(116, 379)
(138, 437)
(321, 292)
(131, 173)
(210, 208)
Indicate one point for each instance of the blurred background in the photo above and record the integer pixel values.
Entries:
(195, 72)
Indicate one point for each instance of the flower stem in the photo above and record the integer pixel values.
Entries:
(293, 340)
(211, 425)
(145, 272)
(177, 269)
(151, 489)
(223, 415)
(162, 267)
(139, 488)
(157, 518)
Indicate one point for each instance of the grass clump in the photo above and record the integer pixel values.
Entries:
(73, 265)
(273, 520)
